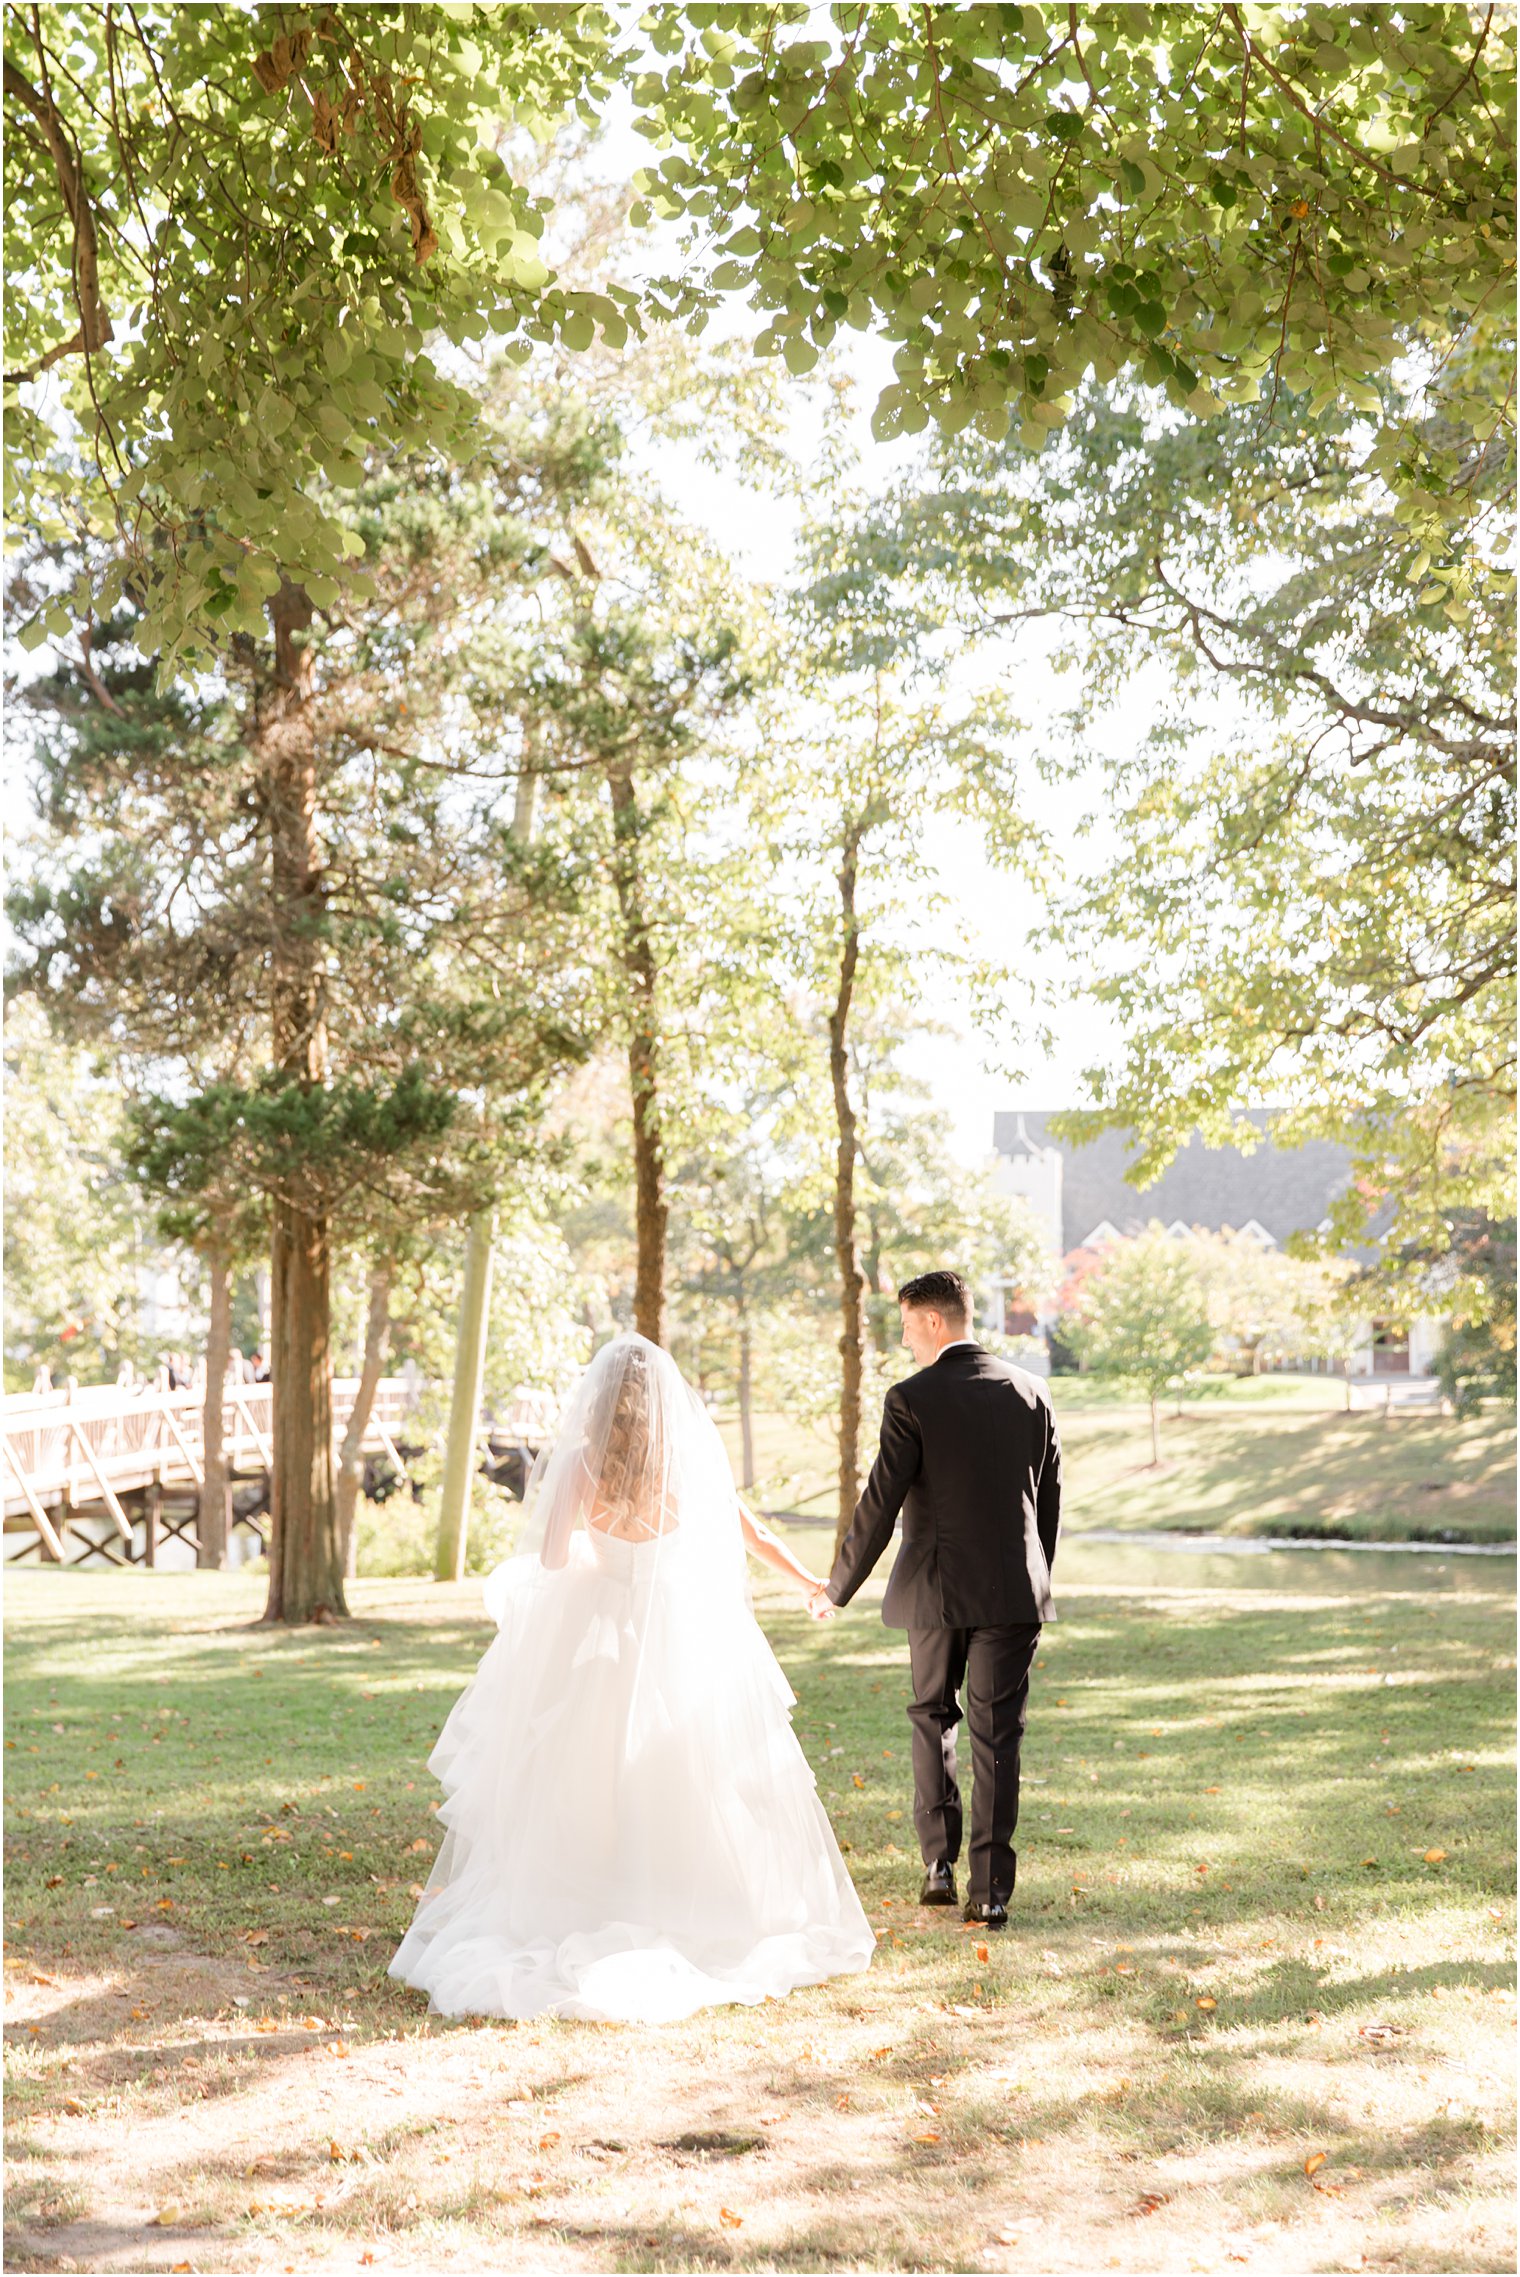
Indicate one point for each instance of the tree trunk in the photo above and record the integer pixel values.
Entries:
(746, 1399)
(651, 1214)
(305, 1554)
(871, 1269)
(377, 1329)
(475, 1297)
(212, 1518)
(851, 1279)
(459, 1455)
(1155, 1432)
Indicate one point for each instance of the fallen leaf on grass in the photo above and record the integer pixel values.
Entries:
(1204, 2001)
(982, 1953)
(421, 1846)
(729, 2219)
(99, 1912)
(928, 2136)
(74, 2107)
(255, 1936)
(1434, 1857)
(1378, 2034)
(1151, 2203)
(547, 2142)
(166, 2217)
(1314, 2162)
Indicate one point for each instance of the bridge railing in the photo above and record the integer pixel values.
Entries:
(84, 1443)
(91, 1442)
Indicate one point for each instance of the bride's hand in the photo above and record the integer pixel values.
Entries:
(820, 1604)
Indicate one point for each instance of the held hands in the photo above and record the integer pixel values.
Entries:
(820, 1604)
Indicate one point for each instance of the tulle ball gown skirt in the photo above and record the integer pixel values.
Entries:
(632, 1830)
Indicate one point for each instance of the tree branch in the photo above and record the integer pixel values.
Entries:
(94, 323)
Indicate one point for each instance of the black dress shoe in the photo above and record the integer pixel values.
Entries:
(987, 1913)
(939, 1884)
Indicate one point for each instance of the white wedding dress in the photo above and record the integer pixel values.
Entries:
(632, 1830)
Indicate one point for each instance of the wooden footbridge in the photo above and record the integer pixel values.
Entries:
(114, 1472)
(121, 1468)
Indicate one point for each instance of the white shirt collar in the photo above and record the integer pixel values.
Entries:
(954, 1342)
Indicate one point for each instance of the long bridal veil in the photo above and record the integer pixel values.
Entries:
(632, 1830)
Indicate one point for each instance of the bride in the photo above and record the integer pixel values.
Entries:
(633, 1831)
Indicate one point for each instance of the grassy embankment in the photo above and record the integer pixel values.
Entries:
(1253, 2010)
(1277, 1455)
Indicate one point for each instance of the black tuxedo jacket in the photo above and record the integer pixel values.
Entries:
(970, 1457)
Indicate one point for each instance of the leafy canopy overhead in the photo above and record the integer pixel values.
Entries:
(1216, 197)
(230, 256)
(236, 237)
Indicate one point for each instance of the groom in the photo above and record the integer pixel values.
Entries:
(970, 1457)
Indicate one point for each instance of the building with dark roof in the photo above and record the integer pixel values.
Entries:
(1267, 1192)
(1082, 1193)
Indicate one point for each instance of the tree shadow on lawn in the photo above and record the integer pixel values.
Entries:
(1243, 1472)
(1206, 2094)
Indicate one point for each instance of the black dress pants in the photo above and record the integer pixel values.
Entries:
(991, 1666)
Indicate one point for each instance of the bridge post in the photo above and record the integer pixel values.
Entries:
(153, 1499)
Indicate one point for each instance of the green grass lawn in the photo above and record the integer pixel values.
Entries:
(1255, 2007)
(1276, 1455)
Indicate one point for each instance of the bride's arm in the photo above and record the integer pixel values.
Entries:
(759, 1538)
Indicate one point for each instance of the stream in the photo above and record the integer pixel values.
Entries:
(1108, 1559)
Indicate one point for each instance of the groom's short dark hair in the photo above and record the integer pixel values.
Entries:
(946, 1293)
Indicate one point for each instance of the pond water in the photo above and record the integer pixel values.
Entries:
(1178, 1561)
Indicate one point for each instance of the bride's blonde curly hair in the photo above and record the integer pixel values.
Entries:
(631, 1482)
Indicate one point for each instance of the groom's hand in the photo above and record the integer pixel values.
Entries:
(821, 1605)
